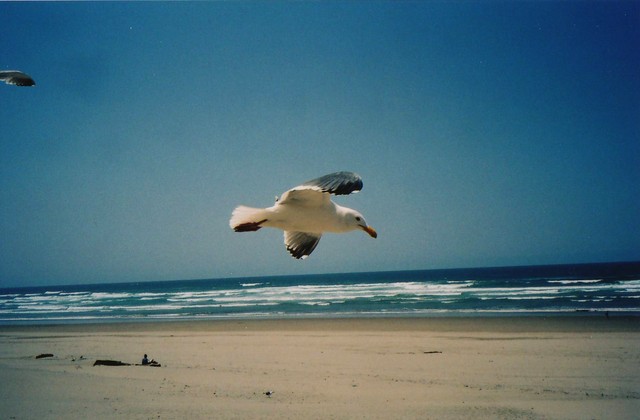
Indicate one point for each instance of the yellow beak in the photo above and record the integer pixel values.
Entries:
(371, 231)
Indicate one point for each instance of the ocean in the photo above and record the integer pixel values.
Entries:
(609, 289)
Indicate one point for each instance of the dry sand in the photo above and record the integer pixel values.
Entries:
(520, 368)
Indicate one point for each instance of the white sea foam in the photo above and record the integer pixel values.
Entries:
(86, 308)
(364, 290)
(149, 294)
(144, 308)
(32, 298)
(581, 281)
(324, 295)
(399, 297)
(103, 295)
(40, 309)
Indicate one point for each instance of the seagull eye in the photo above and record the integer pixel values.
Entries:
(358, 218)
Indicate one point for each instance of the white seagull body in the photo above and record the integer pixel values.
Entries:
(15, 77)
(306, 212)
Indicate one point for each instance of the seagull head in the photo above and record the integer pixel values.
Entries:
(356, 221)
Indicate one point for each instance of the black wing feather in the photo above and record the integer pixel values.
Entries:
(18, 78)
(301, 244)
(338, 183)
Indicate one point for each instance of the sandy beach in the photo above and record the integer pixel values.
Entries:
(439, 368)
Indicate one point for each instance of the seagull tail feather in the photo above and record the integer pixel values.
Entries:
(247, 219)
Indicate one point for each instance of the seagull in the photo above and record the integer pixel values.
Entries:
(16, 77)
(305, 212)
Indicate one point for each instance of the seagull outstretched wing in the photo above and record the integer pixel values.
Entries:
(17, 78)
(301, 244)
(338, 183)
(316, 192)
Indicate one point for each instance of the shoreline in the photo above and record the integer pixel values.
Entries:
(557, 323)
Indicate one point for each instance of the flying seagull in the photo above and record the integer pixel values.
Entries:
(15, 77)
(306, 212)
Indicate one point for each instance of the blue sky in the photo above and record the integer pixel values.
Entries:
(487, 134)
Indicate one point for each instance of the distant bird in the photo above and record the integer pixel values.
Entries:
(268, 393)
(306, 212)
(15, 77)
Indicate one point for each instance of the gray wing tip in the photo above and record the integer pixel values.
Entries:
(301, 244)
(338, 183)
(297, 254)
(17, 78)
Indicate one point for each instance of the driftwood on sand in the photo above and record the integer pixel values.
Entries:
(110, 363)
(40, 356)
